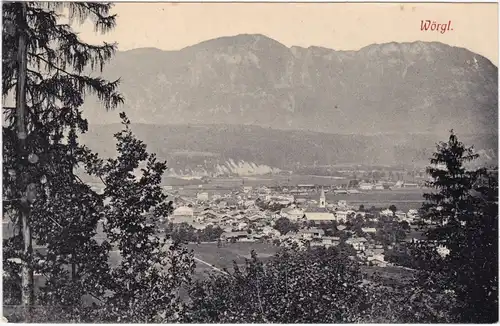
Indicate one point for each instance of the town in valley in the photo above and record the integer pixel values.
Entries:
(254, 163)
(373, 219)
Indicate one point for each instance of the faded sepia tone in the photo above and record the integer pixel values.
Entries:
(339, 26)
(250, 162)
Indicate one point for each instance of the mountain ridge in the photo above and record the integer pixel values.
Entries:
(417, 42)
(253, 79)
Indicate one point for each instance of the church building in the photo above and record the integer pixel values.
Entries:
(319, 213)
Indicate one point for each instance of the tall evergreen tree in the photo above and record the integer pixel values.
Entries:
(62, 210)
(464, 209)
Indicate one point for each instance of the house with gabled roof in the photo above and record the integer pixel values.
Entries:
(318, 214)
(357, 243)
(236, 236)
(312, 233)
(293, 214)
(330, 241)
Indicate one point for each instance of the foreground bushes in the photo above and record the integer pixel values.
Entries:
(313, 286)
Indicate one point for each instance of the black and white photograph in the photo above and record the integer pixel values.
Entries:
(249, 163)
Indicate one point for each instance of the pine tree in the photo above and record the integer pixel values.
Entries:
(464, 208)
(39, 164)
(63, 210)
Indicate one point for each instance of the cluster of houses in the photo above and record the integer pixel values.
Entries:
(366, 251)
(243, 218)
(234, 212)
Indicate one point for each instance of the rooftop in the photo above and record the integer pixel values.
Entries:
(314, 209)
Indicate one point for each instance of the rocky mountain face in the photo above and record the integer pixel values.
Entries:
(249, 105)
(254, 80)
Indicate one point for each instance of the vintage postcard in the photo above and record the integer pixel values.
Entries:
(250, 162)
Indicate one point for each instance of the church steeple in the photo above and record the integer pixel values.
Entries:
(322, 198)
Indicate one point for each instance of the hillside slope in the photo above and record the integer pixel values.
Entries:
(254, 80)
(249, 150)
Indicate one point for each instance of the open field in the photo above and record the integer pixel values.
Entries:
(403, 199)
(389, 275)
(224, 256)
(270, 181)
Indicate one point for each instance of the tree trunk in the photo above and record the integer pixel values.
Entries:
(73, 266)
(27, 271)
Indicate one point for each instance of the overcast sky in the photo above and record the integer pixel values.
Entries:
(172, 26)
